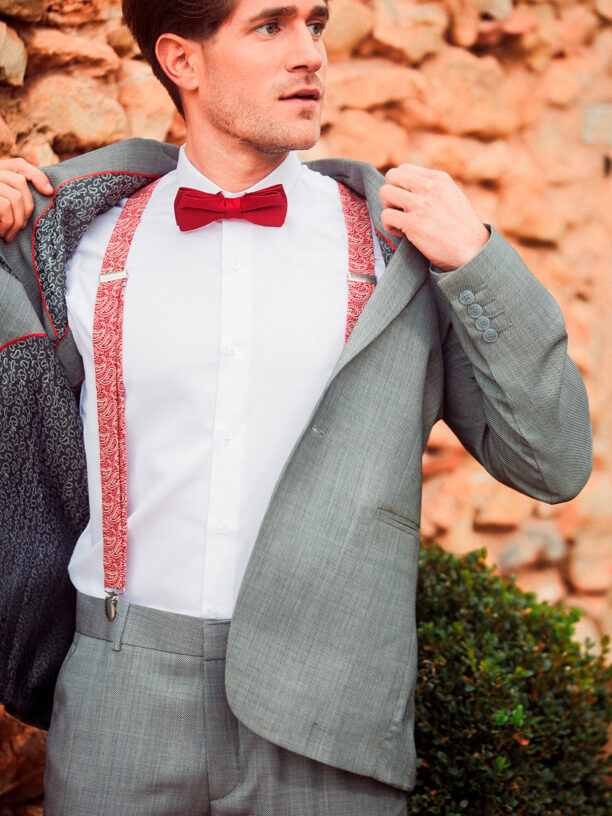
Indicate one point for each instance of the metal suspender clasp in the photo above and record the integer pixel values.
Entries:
(361, 278)
(110, 603)
(118, 274)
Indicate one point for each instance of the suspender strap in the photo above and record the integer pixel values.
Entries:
(108, 365)
(362, 274)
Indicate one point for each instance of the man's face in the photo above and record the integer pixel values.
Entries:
(262, 76)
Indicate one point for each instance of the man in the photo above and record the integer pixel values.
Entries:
(272, 470)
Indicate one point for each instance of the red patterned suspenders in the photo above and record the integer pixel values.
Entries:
(361, 274)
(108, 364)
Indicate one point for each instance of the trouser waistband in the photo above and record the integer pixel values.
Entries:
(152, 629)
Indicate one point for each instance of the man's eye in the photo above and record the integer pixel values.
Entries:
(316, 29)
(268, 29)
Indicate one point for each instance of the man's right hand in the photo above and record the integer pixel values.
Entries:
(16, 204)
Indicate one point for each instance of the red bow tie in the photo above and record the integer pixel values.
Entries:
(194, 209)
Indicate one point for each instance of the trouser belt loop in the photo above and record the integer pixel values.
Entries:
(118, 625)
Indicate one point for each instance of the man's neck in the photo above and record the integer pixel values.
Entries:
(231, 170)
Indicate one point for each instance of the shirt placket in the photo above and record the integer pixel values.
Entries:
(229, 435)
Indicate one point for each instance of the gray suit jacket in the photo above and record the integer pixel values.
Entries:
(322, 653)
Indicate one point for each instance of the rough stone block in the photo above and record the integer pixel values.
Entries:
(366, 83)
(591, 561)
(604, 8)
(412, 29)
(358, 135)
(76, 113)
(21, 760)
(13, 56)
(51, 49)
(597, 124)
(148, 106)
(504, 509)
(470, 95)
(350, 23)
(7, 137)
(30, 10)
(547, 584)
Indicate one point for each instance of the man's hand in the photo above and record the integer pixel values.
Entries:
(433, 213)
(16, 204)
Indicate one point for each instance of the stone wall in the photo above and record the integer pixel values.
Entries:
(515, 101)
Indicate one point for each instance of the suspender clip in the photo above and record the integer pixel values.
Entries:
(359, 277)
(110, 604)
(117, 274)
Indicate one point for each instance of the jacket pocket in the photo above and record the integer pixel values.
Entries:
(404, 523)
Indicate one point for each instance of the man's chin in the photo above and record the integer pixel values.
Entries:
(290, 142)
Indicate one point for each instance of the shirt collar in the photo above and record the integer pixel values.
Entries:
(287, 174)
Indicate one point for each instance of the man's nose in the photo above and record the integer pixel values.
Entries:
(306, 53)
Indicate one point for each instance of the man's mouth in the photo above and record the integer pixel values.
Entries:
(303, 94)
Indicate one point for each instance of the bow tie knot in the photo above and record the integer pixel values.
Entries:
(194, 209)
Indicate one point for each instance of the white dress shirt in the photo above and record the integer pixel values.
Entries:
(231, 332)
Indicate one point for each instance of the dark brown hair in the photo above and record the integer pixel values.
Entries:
(192, 19)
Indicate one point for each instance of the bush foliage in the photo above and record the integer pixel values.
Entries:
(512, 714)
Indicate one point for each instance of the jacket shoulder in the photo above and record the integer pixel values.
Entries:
(141, 156)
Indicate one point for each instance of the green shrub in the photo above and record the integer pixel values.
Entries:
(512, 715)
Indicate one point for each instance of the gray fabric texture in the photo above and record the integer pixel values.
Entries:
(141, 726)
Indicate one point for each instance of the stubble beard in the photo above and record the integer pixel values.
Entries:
(259, 133)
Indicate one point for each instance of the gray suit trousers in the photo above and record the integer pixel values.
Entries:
(141, 725)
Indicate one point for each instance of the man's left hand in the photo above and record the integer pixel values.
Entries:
(433, 213)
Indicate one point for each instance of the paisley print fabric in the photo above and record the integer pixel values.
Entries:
(386, 247)
(361, 254)
(108, 363)
(43, 509)
(61, 226)
(43, 486)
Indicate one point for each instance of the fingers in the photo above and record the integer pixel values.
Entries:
(393, 221)
(16, 202)
(418, 179)
(28, 171)
(433, 213)
(397, 197)
(15, 208)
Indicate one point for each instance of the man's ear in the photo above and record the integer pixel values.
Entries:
(178, 59)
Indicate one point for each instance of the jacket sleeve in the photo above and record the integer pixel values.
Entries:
(512, 395)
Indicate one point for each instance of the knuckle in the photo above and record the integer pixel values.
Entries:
(391, 175)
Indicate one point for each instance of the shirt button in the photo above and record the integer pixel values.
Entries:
(490, 336)
(483, 323)
(466, 297)
(214, 611)
(235, 263)
(475, 310)
(231, 350)
(219, 527)
(227, 434)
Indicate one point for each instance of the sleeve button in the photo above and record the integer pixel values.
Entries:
(490, 336)
(483, 323)
(475, 310)
(466, 297)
